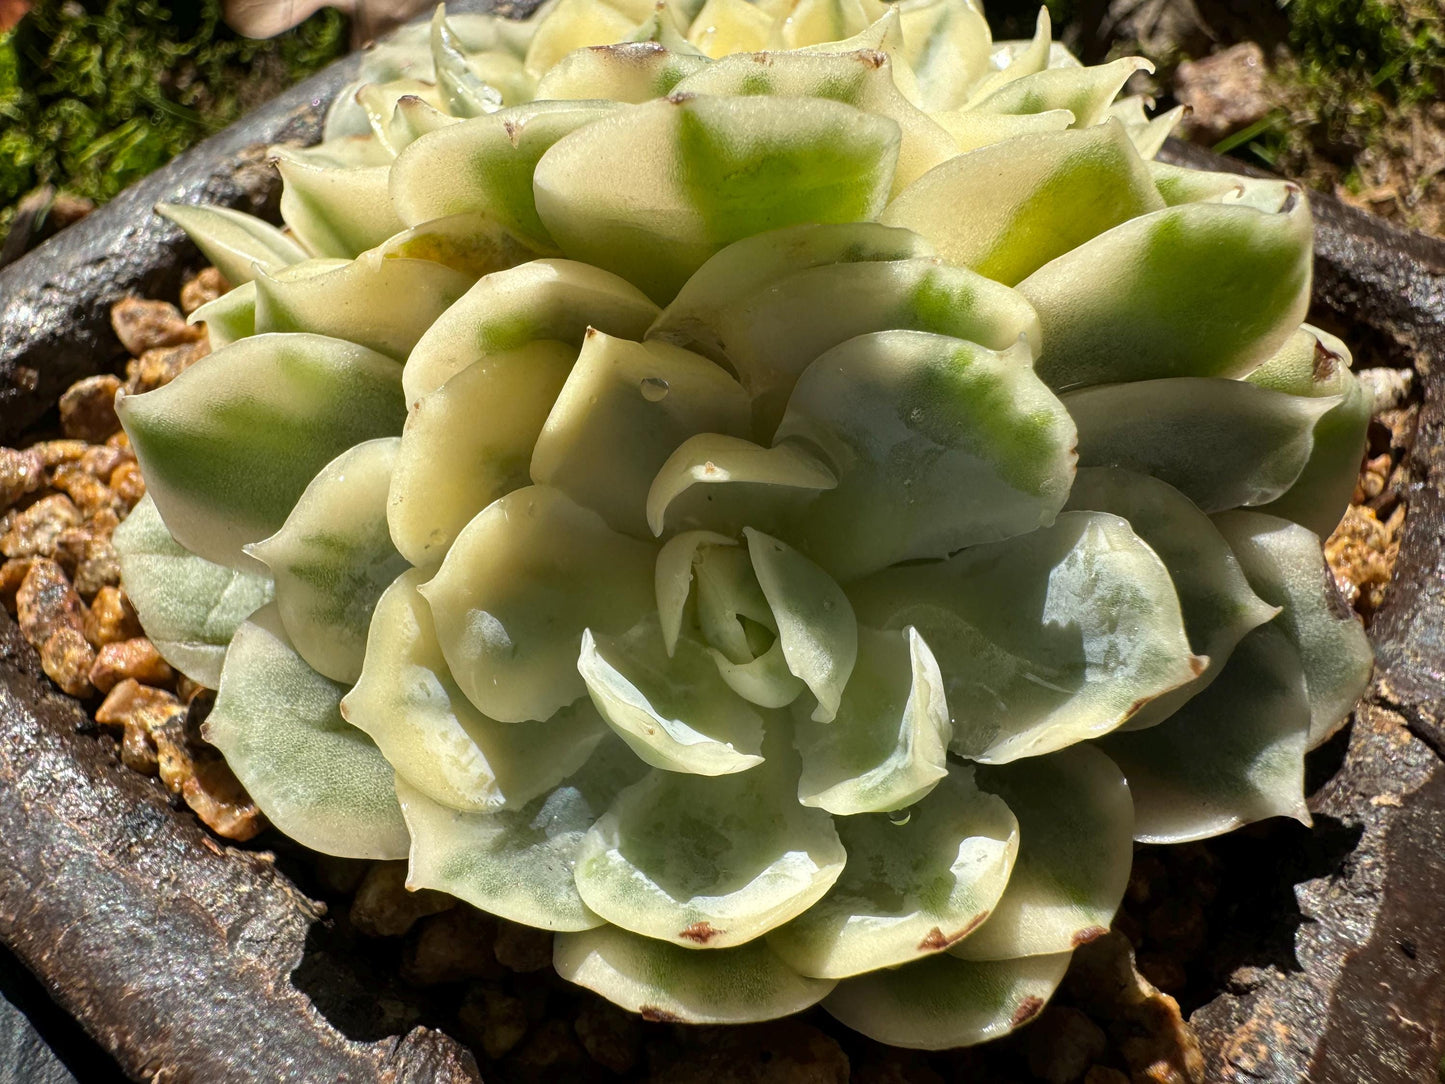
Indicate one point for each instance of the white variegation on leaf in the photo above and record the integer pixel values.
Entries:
(673, 709)
(190, 607)
(516, 863)
(229, 445)
(1113, 309)
(1045, 640)
(1215, 598)
(1222, 443)
(912, 886)
(518, 588)
(887, 746)
(469, 442)
(716, 170)
(442, 746)
(945, 1001)
(746, 351)
(709, 862)
(333, 557)
(1010, 208)
(317, 778)
(1076, 823)
(533, 302)
(1232, 755)
(937, 444)
(623, 409)
(338, 212)
(1284, 564)
(728, 483)
(663, 982)
(235, 242)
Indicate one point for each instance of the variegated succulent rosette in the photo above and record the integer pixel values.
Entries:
(782, 494)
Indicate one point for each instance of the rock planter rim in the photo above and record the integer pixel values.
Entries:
(188, 959)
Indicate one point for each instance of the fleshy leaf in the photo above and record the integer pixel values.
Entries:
(624, 408)
(1222, 443)
(471, 243)
(378, 302)
(1008, 209)
(911, 887)
(674, 711)
(715, 170)
(1122, 307)
(946, 46)
(1076, 825)
(544, 299)
(748, 267)
(336, 211)
(1315, 363)
(863, 79)
(765, 681)
(1218, 606)
(723, 27)
(279, 725)
(812, 22)
(672, 579)
(660, 981)
(709, 862)
(1045, 640)
(190, 607)
(234, 241)
(937, 444)
(333, 557)
(974, 131)
(288, 403)
(632, 72)
(469, 442)
(465, 93)
(379, 101)
(517, 589)
(722, 482)
(946, 1002)
(1232, 755)
(815, 620)
(1084, 92)
(577, 24)
(517, 863)
(486, 164)
(888, 745)
(1012, 60)
(229, 317)
(771, 335)
(728, 595)
(441, 745)
(1285, 565)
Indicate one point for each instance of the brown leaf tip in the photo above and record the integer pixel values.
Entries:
(659, 1016)
(936, 940)
(1028, 1008)
(1087, 934)
(700, 933)
(1326, 361)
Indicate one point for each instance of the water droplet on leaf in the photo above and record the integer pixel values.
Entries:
(654, 389)
(900, 817)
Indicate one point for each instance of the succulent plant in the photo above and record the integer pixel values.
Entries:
(781, 494)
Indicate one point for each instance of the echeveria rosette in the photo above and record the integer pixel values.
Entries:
(780, 495)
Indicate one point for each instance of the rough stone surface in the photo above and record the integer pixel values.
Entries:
(1225, 91)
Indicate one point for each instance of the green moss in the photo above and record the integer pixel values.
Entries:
(95, 95)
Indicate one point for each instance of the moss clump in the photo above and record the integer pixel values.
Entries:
(95, 95)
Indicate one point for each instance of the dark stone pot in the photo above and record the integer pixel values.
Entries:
(190, 960)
